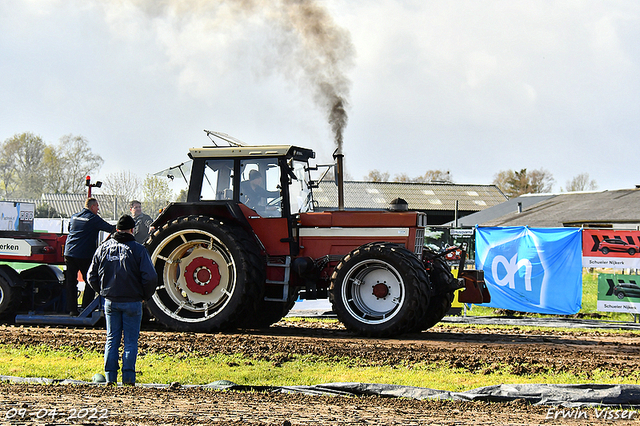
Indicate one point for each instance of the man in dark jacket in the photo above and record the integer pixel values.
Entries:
(122, 272)
(82, 241)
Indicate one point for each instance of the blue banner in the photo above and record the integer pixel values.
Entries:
(535, 270)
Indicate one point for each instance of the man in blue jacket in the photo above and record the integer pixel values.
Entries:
(82, 241)
(122, 272)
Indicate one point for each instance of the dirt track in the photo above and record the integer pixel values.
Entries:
(477, 351)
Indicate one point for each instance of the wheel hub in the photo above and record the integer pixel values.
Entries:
(202, 275)
(380, 290)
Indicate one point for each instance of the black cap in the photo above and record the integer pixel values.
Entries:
(125, 222)
(254, 174)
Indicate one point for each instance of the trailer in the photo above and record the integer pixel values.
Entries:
(31, 276)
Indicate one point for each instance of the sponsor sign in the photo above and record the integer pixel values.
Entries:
(13, 247)
(619, 293)
(16, 216)
(611, 249)
(532, 270)
(462, 232)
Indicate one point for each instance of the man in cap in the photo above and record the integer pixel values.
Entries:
(122, 272)
(253, 192)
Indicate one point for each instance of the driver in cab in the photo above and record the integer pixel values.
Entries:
(254, 193)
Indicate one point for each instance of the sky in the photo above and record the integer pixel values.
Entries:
(474, 87)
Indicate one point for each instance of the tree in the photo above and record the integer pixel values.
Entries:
(46, 211)
(377, 176)
(8, 175)
(442, 176)
(125, 186)
(581, 182)
(29, 167)
(540, 181)
(182, 195)
(69, 163)
(157, 194)
(402, 177)
(514, 183)
(429, 176)
(21, 166)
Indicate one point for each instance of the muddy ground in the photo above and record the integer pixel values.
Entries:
(460, 347)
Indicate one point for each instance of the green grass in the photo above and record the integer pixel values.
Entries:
(588, 309)
(298, 370)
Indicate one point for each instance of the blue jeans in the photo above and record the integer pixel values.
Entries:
(122, 317)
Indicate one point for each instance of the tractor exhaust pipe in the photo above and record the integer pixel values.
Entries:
(339, 158)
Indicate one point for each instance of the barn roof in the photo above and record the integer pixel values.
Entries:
(419, 196)
(603, 209)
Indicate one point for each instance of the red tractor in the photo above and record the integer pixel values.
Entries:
(247, 243)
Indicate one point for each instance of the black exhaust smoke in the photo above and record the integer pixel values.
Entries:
(310, 47)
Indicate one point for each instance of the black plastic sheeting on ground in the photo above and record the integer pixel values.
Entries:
(600, 395)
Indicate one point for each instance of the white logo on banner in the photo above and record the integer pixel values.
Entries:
(511, 269)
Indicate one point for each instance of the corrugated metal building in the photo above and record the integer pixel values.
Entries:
(438, 200)
(68, 204)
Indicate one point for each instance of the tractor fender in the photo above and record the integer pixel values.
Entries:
(229, 211)
(48, 272)
(11, 276)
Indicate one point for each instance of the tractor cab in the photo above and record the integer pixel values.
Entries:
(267, 179)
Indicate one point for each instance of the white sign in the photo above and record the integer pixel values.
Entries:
(613, 263)
(12, 247)
(618, 306)
(462, 232)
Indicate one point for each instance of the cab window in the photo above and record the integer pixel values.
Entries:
(260, 186)
(217, 182)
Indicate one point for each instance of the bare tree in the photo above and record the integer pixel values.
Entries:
(377, 176)
(402, 177)
(79, 161)
(581, 182)
(430, 176)
(67, 164)
(541, 181)
(157, 194)
(514, 183)
(443, 176)
(125, 186)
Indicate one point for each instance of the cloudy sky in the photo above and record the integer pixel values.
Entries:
(474, 87)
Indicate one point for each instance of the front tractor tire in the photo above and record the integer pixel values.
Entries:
(210, 274)
(380, 290)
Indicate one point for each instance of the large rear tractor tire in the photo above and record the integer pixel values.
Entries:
(10, 294)
(441, 278)
(380, 290)
(210, 274)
